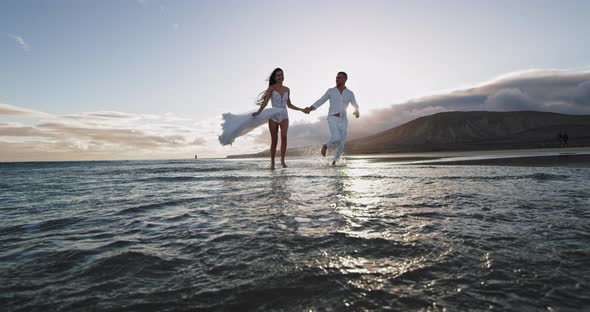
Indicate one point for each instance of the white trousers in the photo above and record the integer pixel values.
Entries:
(338, 131)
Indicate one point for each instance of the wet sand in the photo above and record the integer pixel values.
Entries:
(566, 157)
(566, 160)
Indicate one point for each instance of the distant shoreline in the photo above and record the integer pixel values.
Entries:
(566, 160)
(569, 157)
(562, 157)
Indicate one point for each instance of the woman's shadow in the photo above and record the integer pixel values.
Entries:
(281, 210)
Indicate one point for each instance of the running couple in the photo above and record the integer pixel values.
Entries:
(278, 118)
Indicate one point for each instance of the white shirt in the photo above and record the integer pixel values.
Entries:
(338, 101)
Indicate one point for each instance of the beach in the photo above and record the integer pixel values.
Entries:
(558, 157)
(426, 156)
(372, 234)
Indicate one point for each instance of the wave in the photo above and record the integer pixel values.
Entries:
(246, 238)
(171, 179)
(228, 178)
(540, 176)
(49, 225)
(145, 171)
(534, 176)
(147, 207)
(136, 263)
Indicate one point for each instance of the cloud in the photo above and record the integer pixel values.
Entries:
(8, 130)
(565, 92)
(99, 135)
(119, 136)
(124, 135)
(9, 110)
(199, 141)
(21, 42)
(43, 150)
(510, 99)
(110, 114)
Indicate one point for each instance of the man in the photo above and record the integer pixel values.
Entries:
(340, 97)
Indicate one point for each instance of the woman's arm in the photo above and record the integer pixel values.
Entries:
(291, 106)
(267, 95)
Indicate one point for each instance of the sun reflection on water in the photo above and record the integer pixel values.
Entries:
(370, 204)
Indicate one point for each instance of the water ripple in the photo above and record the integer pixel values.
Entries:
(232, 235)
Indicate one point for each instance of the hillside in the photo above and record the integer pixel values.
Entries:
(477, 131)
(465, 131)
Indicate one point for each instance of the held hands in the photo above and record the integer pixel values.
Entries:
(306, 110)
(356, 114)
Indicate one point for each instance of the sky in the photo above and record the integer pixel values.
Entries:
(142, 79)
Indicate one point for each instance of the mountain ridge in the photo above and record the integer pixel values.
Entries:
(467, 131)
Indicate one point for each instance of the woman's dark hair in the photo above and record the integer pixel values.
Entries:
(271, 81)
(273, 76)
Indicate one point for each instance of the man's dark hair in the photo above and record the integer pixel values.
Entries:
(343, 73)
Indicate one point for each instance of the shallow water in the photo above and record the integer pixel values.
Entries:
(230, 234)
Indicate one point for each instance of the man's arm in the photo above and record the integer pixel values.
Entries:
(355, 105)
(321, 101)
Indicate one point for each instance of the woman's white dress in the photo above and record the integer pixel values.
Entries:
(234, 125)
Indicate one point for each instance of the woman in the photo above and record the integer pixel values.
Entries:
(279, 96)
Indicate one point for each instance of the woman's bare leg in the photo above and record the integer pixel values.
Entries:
(273, 126)
(284, 125)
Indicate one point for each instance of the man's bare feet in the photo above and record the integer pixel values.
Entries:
(324, 149)
(272, 165)
(334, 163)
(284, 165)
